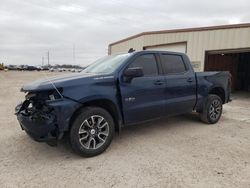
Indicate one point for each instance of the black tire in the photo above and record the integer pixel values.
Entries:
(212, 109)
(85, 130)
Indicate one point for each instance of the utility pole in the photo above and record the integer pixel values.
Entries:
(74, 54)
(48, 58)
(42, 61)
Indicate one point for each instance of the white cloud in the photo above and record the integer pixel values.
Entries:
(234, 21)
(71, 8)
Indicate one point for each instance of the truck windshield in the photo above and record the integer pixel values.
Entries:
(106, 65)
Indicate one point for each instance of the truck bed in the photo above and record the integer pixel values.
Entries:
(207, 80)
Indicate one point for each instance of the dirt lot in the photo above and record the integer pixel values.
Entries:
(174, 152)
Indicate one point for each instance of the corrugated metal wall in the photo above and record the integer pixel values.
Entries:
(197, 42)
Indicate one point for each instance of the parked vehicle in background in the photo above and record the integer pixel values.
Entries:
(20, 67)
(39, 68)
(117, 91)
(12, 67)
(45, 68)
(24, 68)
(77, 70)
(31, 68)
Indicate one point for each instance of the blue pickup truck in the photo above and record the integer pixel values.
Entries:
(117, 91)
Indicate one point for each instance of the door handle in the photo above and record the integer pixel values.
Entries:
(159, 82)
(190, 80)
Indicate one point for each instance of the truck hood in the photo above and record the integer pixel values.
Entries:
(60, 81)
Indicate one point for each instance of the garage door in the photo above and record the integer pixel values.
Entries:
(180, 47)
(234, 61)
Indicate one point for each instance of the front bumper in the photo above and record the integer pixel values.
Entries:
(40, 126)
(46, 126)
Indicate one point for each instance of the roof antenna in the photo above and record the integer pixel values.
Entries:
(131, 50)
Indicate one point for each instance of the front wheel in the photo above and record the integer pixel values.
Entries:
(212, 109)
(92, 131)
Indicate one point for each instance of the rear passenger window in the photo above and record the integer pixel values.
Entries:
(148, 64)
(172, 63)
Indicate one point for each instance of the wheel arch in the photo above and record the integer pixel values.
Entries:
(220, 92)
(106, 104)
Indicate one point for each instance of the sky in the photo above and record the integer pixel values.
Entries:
(79, 32)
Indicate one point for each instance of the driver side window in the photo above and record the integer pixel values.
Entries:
(148, 64)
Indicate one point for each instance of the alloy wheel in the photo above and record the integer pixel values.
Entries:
(215, 109)
(93, 132)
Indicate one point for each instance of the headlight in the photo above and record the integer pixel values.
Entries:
(52, 97)
(30, 95)
(54, 94)
(48, 95)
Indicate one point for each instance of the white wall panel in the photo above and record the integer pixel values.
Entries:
(198, 42)
(180, 47)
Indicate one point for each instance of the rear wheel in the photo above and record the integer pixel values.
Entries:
(212, 109)
(92, 131)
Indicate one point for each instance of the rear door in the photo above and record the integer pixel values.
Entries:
(180, 91)
(143, 98)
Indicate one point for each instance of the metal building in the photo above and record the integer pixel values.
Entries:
(225, 47)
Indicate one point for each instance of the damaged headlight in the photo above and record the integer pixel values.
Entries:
(30, 95)
(55, 94)
(48, 95)
(52, 97)
(36, 102)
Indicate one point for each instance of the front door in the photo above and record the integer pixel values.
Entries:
(143, 98)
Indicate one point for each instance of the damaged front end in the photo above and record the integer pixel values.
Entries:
(37, 117)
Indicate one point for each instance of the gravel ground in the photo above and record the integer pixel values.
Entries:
(173, 152)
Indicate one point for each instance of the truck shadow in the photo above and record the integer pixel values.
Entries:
(128, 135)
(153, 128)
(164, 124)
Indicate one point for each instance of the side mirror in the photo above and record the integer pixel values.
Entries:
(131, 73)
